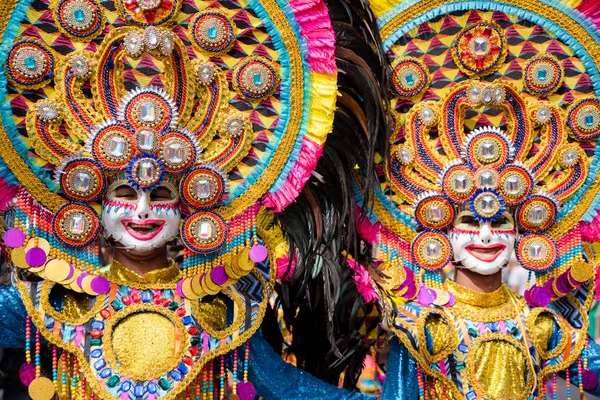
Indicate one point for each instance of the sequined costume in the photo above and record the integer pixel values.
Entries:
(223, 105)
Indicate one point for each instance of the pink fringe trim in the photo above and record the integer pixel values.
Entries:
(7, 194)
(367, 231)
(591, 9)
(590, 231)
(363, 281)
(306, 163)
(283, 264)
(313, 18)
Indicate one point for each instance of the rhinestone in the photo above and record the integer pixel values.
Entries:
(427, 115)
(148, 111)
(134, 43)
(205, 230)
(538, 214)
(145, 171)
(410, 79)
(116, 146)
(486, 179)
(166, 43)
(405, 155)
(152, 37)
(206, 73)
(149, 4)
(589, 120)
(499, 95)
(433, 249)
(474, 94)
(487, 95)
(543, 114)
(542, 74)
(82, 181)
(535, 251)
(211, 32)
(434, 213)
(47, 111)
(30, 62)
(511, 185)
(460, 182)
(235, 125)
(258, 79)
(77, 225)
(488, 204)
(175, 153)
(203, 189)
(79, 65)
(79, 15)
(146, 140)
(488, 149)
(481, 46)
(570, 158)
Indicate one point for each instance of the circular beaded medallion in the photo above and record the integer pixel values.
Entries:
(29, 64)
(81, 64)
(177, 152)
(80, 20)
(405, 155)
(47, 111)
(516, 183)
(148, 12)
(212, 32)
(480, 48)
(410, 77)
(536, 214)
(255, 78)
(583, 119)
(148, 108)
(204, 232)
(542, 114)
(112, 146)
(458, 183)
(569, 155)
(434, 212)
(487, 146)
(203, 187)
(431, 250)
(145, 172)
(134, 44)
(234, 125)
(76, 224)
(82, 180)
(487, 205)
(543, 75)
(536, 252)
(206, 72)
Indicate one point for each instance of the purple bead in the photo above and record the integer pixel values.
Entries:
(179, 290)
(14, 238)
(27, 373)
(218, 275)
(258, 253)
(246, 390)
(527, 296)
(100, 285)
(426, 296)
(35, 257)
(452, 300)
(539, 296)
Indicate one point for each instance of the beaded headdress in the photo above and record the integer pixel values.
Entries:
(490, 114)
(227, 103)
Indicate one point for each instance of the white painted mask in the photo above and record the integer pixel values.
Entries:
(139, 220)
(484, 248)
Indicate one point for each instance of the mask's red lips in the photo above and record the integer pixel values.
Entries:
(143, 230)
(485, 253)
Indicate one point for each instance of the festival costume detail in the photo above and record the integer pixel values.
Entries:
(493, 159)
(206, 113)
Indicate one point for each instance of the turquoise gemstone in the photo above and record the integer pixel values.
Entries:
(212, 32)
(117, 304)
(113, 381)
(589, 120)
(95, 342)
(542, 74)
(164, 384)
(258, 79)
(30, 62)
(79, 15)
(410, 79)
(173, 306)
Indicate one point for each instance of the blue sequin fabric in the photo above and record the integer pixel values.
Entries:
(12, 318)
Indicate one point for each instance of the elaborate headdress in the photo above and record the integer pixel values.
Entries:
(490, 116)
(228, 103)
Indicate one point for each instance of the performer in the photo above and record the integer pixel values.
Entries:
(492, 154)
(145, 122)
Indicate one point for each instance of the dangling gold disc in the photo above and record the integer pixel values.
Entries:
(17, 257)
(41, 389)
